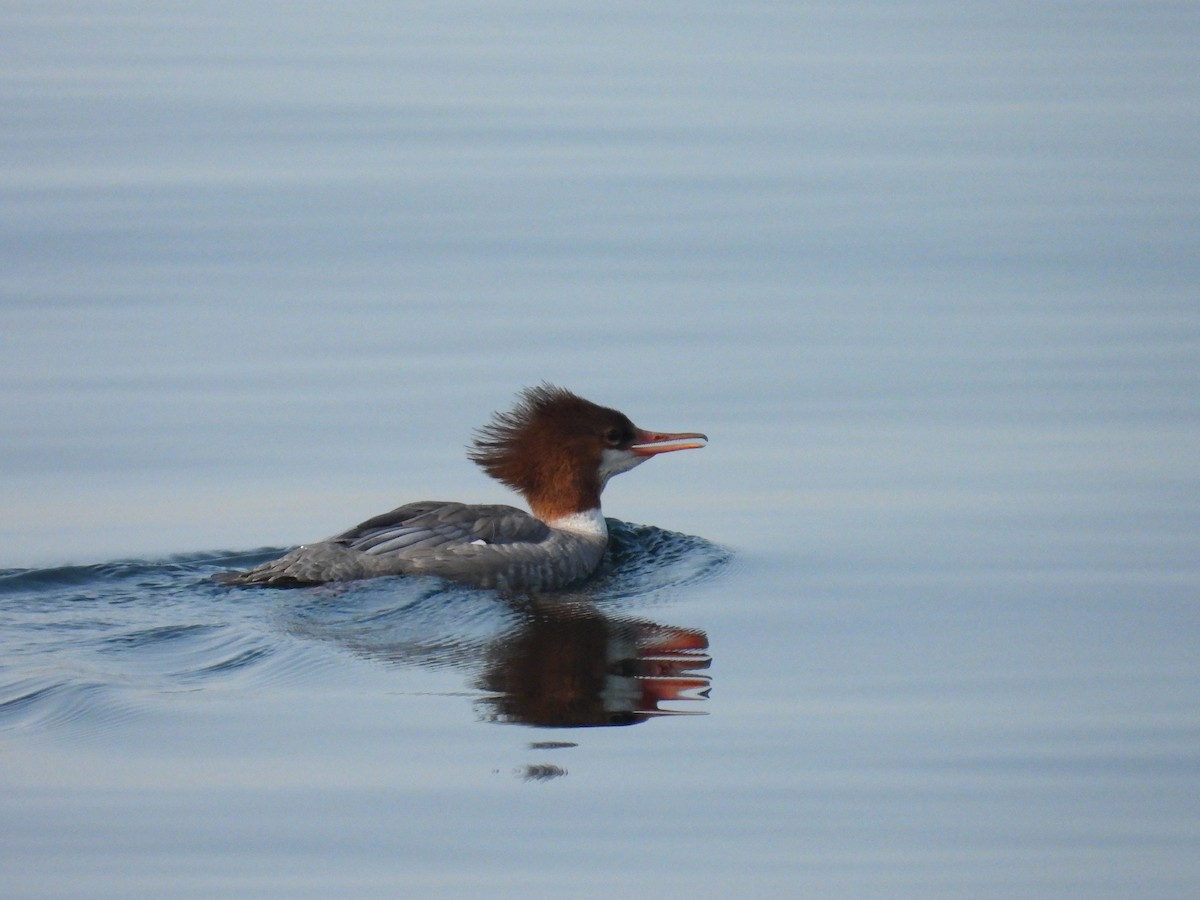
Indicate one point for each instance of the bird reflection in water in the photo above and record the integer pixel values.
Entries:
(568, 665)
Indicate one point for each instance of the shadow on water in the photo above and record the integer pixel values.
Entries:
(92, 643)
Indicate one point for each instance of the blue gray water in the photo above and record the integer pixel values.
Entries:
(923, 615)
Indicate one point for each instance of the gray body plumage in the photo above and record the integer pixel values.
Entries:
(491, 546)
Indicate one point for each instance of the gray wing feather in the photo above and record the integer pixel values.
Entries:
(429, 525)
(490, 546)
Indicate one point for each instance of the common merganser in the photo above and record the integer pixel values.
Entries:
(556, 449)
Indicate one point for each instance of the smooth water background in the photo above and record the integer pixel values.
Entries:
(925, 273)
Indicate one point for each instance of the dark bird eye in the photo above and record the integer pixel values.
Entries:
(613, 436)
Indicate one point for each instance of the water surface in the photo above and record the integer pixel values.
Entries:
(923, 612)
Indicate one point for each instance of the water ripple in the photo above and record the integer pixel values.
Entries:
(32, 703)
(90, 643)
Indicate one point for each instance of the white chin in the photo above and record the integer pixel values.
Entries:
(614, 462)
